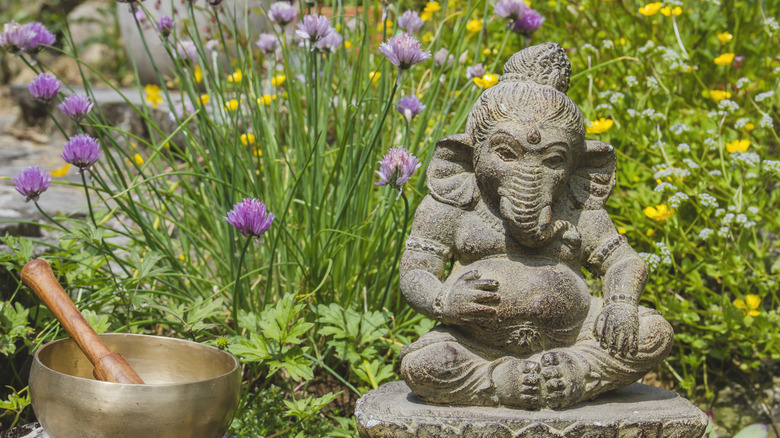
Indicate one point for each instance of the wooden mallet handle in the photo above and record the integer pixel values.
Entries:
(110, 367)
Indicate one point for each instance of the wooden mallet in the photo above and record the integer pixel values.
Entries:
(109, 367)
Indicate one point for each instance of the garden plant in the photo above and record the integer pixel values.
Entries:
(266, 210)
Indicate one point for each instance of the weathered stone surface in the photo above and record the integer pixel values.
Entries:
(635, 411)
(516, 210)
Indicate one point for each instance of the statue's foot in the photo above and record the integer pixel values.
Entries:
(564, 379)
(517, 384)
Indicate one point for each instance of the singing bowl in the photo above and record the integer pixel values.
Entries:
(192, 390)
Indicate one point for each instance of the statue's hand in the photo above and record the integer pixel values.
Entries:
(617, 328)
(470, 299)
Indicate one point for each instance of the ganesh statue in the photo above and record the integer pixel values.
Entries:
(497, 251)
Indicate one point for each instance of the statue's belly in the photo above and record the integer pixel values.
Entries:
(543, 304)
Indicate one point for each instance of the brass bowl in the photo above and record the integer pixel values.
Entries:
(192, 390)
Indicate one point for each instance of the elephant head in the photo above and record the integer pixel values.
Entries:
(524, 148)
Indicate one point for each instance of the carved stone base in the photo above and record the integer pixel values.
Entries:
(637, 410)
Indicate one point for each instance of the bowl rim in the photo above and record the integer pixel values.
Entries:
(233, 369)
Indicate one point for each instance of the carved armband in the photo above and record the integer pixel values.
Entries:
(428, 247)
(601, 253)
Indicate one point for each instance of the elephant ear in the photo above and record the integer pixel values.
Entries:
(592, 182)
(450, 174)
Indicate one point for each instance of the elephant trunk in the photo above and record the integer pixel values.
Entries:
(526, 208)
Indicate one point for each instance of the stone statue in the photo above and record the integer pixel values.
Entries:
(516, 209)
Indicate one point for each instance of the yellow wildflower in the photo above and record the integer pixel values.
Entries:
(749, 127)
(152, 93)
(387, 25)
(724, 59)
(668, 10)
(474, 25)
(137, 159)
(486, 52)
(432, 7)
(750, 304)
(232, 105)
(236, 76)
(257, 152)
(486, 81)
(278, 80)
(247, 139)
(197, 74)
(659, 212)
(599, 126)
(724, 37)
(621, 230)
(374, 75)
(622, 41)
(61, 171)
(204, 99)
(738, 146)
(650, 9)
(650, 232)
(718, 95)
(427, 37)
(265, 99)
(527, 3)
(552, 3)
(347, 44)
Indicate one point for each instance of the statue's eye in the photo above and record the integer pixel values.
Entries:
(555, 162)
(506, 153)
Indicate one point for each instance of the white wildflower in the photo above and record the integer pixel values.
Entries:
(741, 123)
(683, 147)
(743, 82)
(708, 201)
(763, 96)
(690, 163)
(632, 82)
(677, 199)
(705, 233)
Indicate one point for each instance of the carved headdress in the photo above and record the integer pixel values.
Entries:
(533, 90)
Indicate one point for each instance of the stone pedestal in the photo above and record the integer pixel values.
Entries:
(36, 431)
(635, 411)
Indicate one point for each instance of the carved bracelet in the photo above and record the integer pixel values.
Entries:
(621, 298)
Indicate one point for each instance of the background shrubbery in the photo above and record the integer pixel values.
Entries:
(688, 97)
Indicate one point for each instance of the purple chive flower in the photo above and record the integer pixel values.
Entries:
(267, 42)
(250, 217)
(442, 58)
(529, 23)
(410, 21)
(397, 167)
(512, 10)
(403, 51)
(181, 111)
(81, 151)
(165, 25)
(282, 13)
(16, 37)
(329, 42)
(187, 51)
(25, 37)
(31, 182)
(314, 27)
(44, 87)
(409, 106)
(475, 71)
(76, 106)
(212, 45)
(42, 35)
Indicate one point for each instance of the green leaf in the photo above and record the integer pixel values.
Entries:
(250, 350)
(99, 324)
(754, 431)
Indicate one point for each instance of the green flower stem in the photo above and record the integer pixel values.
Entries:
(49, 217)
(398, 246)
(236, 283)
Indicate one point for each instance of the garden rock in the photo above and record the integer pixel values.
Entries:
(392, 411)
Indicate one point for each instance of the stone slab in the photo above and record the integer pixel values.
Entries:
(392, 411)
(38, 432)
